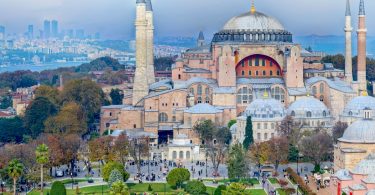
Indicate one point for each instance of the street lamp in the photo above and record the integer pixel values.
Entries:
(206, 168)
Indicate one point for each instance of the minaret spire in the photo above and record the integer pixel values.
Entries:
(348, 44)
(362, 35)
(252, 10)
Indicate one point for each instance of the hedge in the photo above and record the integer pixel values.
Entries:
(58, 188)
(293, 176)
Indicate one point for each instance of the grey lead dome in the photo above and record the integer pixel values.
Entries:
(253, 21)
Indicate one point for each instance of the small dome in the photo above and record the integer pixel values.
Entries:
(253, 21)
(361, 131)
(308, 107)
(366, 166)
(356, 106)
(265, 108)
(371, 192)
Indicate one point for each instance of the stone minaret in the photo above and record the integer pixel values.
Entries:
(200, 41)
(348, 44)
(362, 31)
(140, 86)
(150, 42)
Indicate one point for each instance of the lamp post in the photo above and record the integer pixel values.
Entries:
(206, 168)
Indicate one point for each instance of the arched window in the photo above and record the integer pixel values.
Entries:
(278, 93)
(207, 90)
(314, 90)
(179, 77)
(308, 114)
(192, 91)
(272, 125)
(163, 117)
(187, 154)
(350, 113)
(322, 98)
(258, 126)
(174, 118)
(264, 73)
(181, 156)
(324, 113)
(244, 95)
(293, 113)
(199, 100)
(199, 89)
(174, 155)
(265, 136)
(321, 88)
(207, 100)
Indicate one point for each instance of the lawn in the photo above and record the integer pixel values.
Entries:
(281, 192)
(252, 181)
(257, 192)
(273, 180)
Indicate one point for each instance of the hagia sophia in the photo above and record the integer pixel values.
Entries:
(251, 67)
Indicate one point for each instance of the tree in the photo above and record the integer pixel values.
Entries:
(195, 188)
(290, 129)
(58, 188)
(85, 93)
(121, 148)
(231, 122)
(70, 145)
(100, 64)
(119, 188)
(280, 148)
(237, 166)
(51, 93)
(317, 147)
(42, 157)
(260, 153)
(216, 141)
(116, 96)
(70, 120)
(338, 130)
(219, 189)
(15, 169)
(139, 148)
(36, 113)
(102, 149)
(115, 175)
(11, 130)
(249, 139)
(177, 176)
(6, 101)
(109, 167)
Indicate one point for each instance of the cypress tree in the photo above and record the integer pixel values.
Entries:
(249, 139)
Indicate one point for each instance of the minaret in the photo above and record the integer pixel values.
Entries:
(200, 41)
(362, 31)
(150, 42)
(348, 44)
(140, 86)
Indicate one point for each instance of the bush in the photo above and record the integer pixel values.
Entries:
(119, 188)
(283, 182)
(219, 189)
(58, 188)
(109, 167)
(149, 188)
(195, 188)
(177, 176)
(290, 191)
(298, 180)
(115, 176)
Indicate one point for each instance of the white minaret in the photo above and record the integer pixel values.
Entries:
(140, 86)
(348, 44)
(150, 42)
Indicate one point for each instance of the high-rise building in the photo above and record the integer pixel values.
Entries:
(30, 31)
(70, 33)
(97, 35)
(2, 32)
(47, 29)
(80, 34)
(55, 28)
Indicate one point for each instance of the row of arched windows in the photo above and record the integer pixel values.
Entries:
(321, 89)
(180, 155)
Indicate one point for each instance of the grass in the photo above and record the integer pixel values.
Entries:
(253, 181)
(281, 191)
(69, 181)
(273, 180)
(257, 192)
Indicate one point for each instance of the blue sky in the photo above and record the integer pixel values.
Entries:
(114, 18)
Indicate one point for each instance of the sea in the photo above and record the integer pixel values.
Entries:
(38, 67)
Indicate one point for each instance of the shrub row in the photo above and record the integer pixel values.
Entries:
(294, 177)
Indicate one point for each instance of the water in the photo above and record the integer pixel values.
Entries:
(39, 67)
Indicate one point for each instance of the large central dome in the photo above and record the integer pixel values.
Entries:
(253, 21)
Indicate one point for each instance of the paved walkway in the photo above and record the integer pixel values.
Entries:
(321, 191)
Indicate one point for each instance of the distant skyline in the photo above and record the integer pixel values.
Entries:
(114, 18)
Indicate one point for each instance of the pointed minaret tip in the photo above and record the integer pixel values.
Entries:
(348, 12)
(201, 36)
(362, 8)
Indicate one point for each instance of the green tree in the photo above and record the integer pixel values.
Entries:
(115, 176)
(119, 188)
(109, 167)
(249, 139)
(237, 166)
(51, 93)
(177, 177)
(85, 93)
(219, 189)
(116, 96)
(195, 187)
(15, 169)
(11, 130)
(58, 188)
(70, 120)
(36, 113)
(6, 101)
(42, 158)
(100, 64)
(231, 122)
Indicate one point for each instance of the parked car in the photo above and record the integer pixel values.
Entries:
(59, 173)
